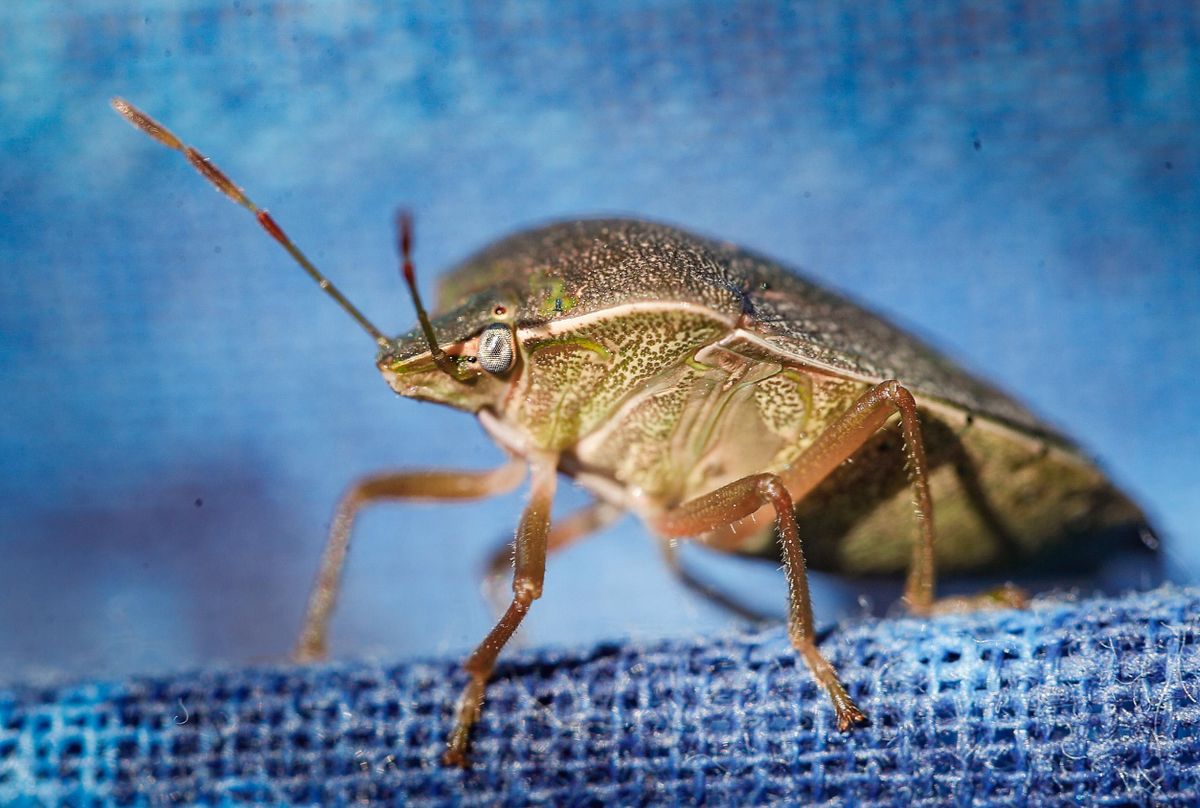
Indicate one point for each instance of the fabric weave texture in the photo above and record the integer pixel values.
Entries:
(1089, 702)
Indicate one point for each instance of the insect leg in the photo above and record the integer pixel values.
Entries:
(415, 485)
(563, 533)
(741, 499)
(844, 437)
(528, 575)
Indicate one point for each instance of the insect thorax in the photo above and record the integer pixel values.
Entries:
(664, 402)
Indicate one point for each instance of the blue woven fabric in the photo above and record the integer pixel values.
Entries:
(1090, 702)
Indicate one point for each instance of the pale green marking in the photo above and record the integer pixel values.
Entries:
(579, 342)
(557, 301)
(403, 368)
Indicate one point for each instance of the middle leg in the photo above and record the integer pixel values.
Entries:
(713, 594)
(739, 500)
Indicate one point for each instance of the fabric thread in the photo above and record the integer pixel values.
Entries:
(1090, 702)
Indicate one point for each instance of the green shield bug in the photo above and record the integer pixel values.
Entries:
(719, 397)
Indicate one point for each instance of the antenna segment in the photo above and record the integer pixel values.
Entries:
(217, 177)
(456, 366)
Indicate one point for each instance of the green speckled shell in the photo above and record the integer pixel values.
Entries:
(593, 265)
(1006, 488)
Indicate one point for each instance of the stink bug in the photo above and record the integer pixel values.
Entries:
(722, 398)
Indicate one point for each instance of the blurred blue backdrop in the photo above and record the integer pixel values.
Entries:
(181, 407)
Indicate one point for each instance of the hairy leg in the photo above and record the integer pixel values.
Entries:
(528, 575)
(574, 527)
(738, 500)
(844, 437)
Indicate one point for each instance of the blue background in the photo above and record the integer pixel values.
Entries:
(1018, 183)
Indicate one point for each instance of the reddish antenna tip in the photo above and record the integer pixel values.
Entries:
(269, 225)
(404, 224)
(404, 232)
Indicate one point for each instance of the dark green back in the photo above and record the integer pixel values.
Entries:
(571, 268)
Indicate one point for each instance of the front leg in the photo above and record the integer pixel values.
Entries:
(410, 485)
(528, 574)
(564, 533)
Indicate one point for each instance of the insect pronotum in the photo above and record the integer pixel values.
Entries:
(718, 396)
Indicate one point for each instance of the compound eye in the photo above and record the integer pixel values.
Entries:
(496, 348)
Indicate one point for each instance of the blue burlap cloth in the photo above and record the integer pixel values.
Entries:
(1091, 702)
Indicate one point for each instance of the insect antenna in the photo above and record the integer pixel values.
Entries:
(454, 366)
(226, 186)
